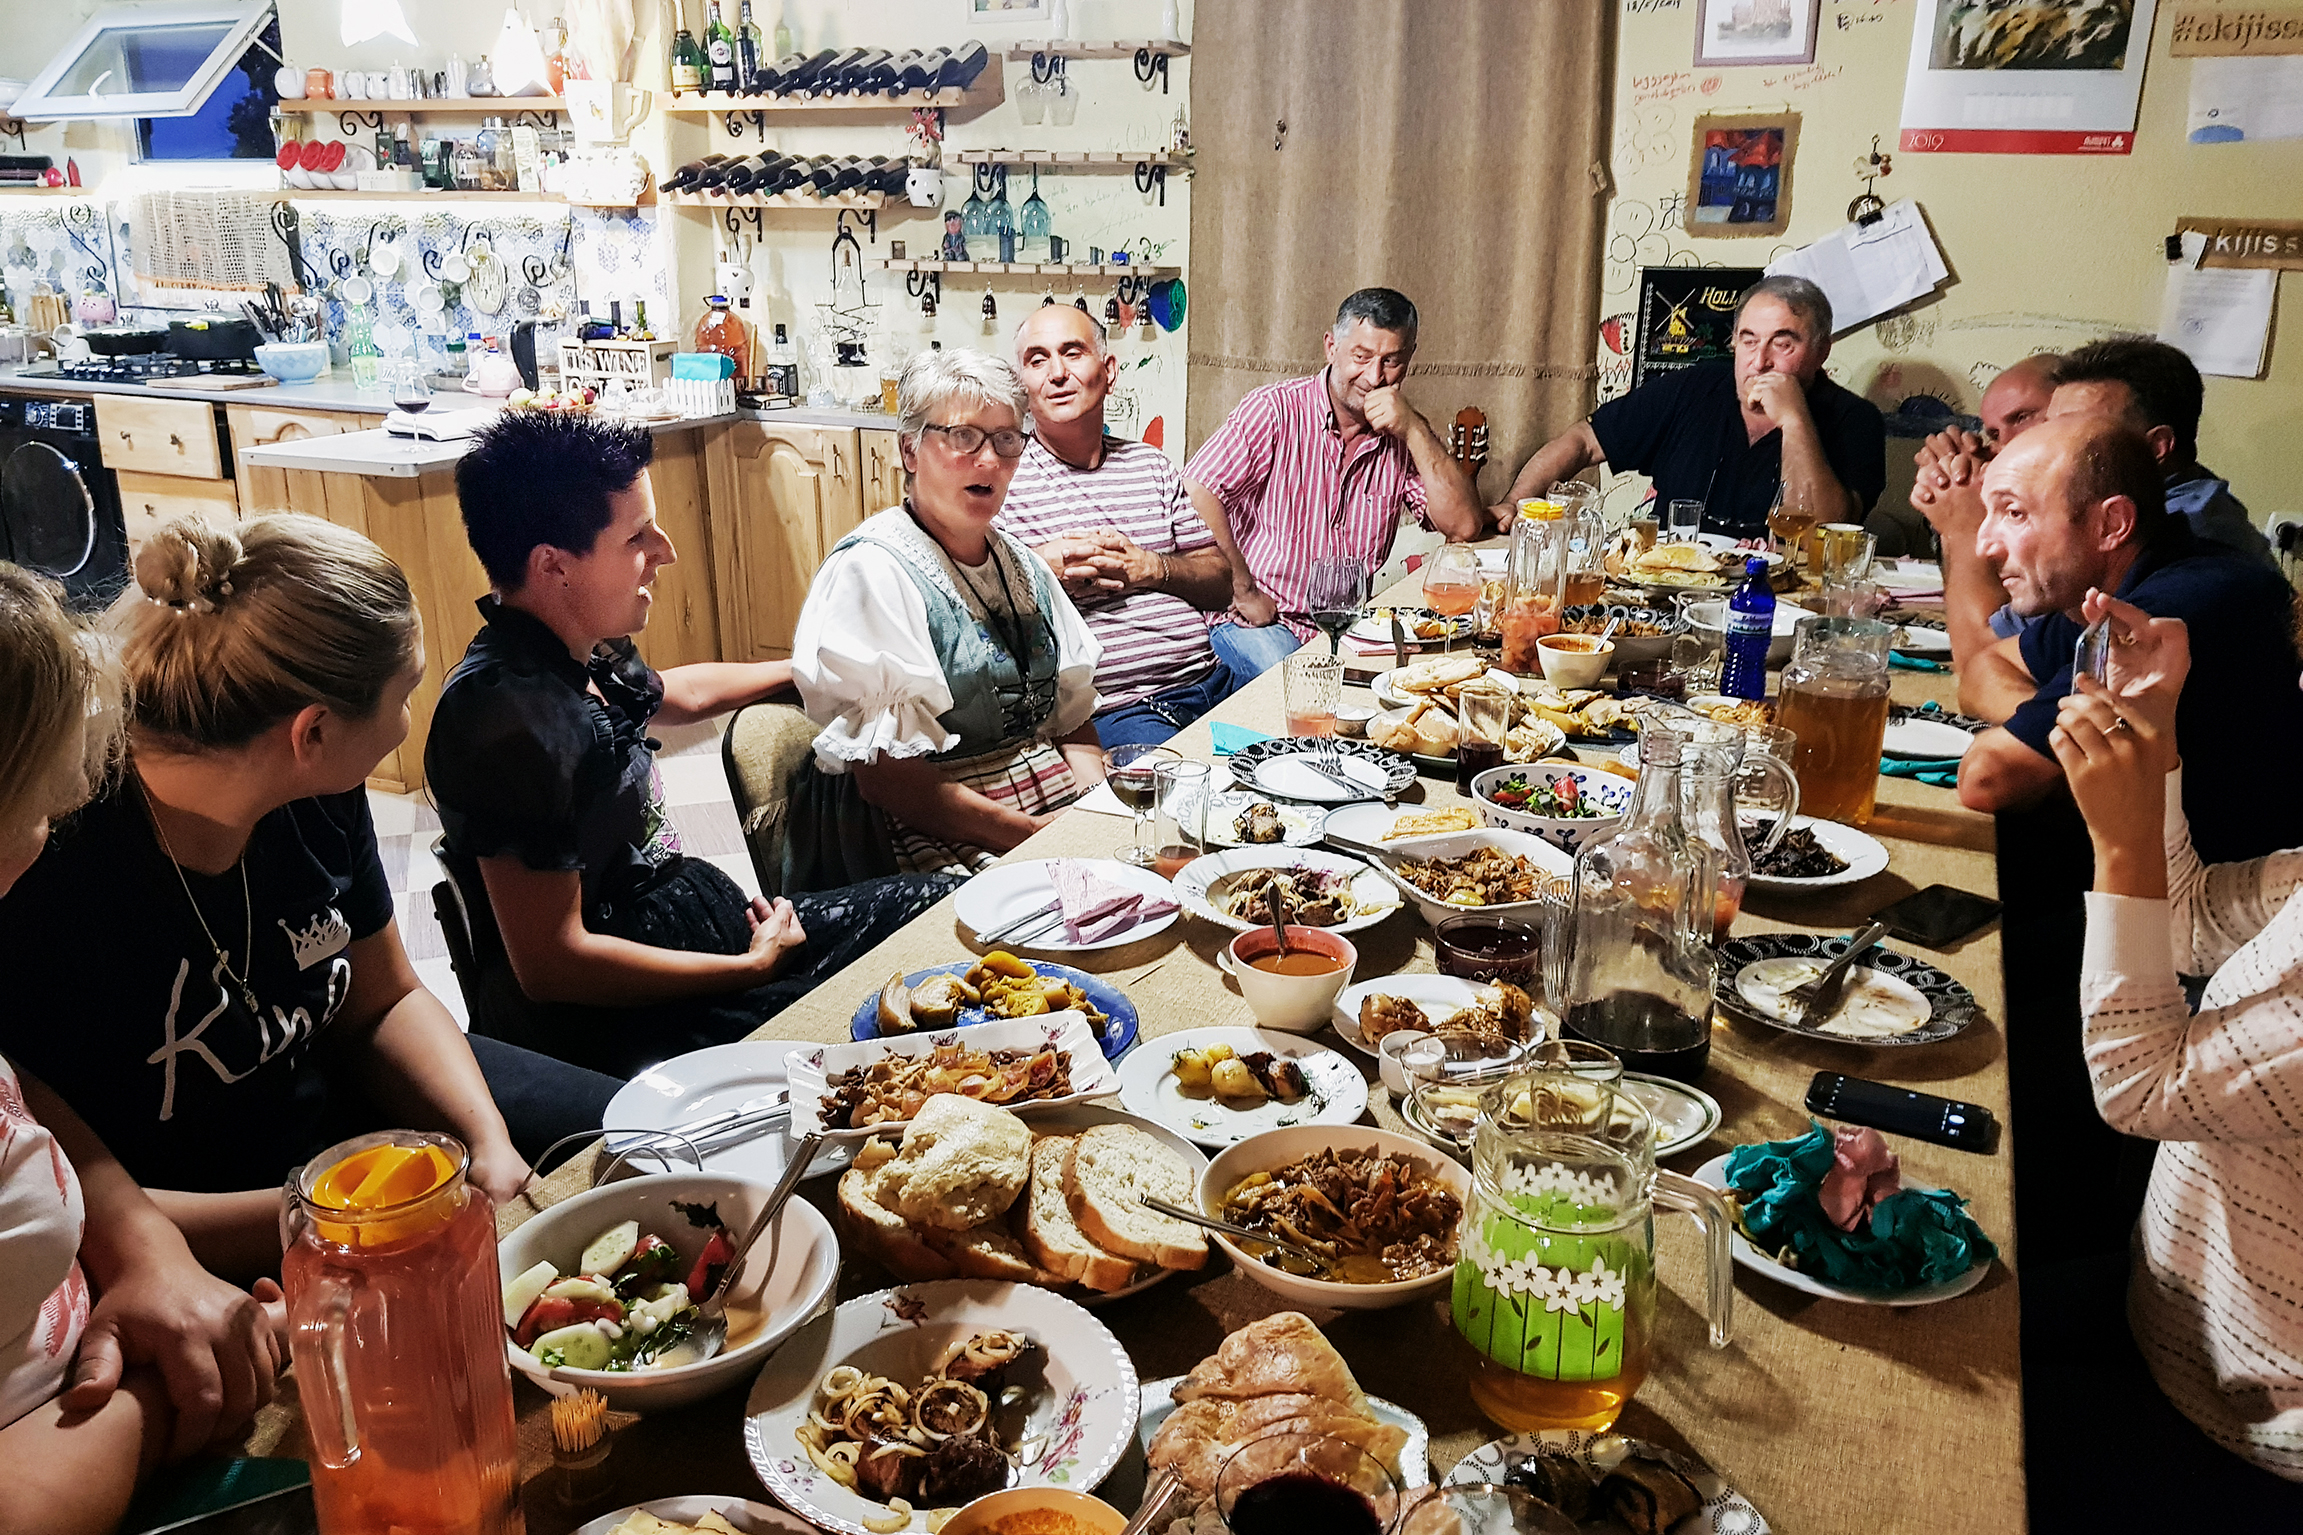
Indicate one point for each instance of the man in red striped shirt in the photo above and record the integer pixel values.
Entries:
(1322, 467)
(1111, 519)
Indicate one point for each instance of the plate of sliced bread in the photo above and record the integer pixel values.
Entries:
(970, 1191)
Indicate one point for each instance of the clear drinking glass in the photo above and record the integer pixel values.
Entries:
(1848, 550)
(1288, 1482)
(1312, 686)
(1133, 773)
(1686, 520)
(1451, 584)
(1179, 815)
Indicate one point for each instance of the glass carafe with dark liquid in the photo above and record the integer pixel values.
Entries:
(1636, 972)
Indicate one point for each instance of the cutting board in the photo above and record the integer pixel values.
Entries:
(222, 381)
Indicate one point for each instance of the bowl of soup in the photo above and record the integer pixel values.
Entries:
(1292, 990)
(1574, 660)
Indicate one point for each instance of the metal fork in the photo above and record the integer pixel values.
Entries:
(1819, 999)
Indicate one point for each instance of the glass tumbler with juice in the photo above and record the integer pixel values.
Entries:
(396, 1316)
(1834, 701)
(1311, 685)
(1179, 815)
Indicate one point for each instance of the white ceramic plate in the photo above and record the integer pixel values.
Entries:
(809, 1067)
(1077, 1429)
(1010, 892)
(705, 1083)
(1377, 625)
(1714, 1172)
(1865, 856)
(1414, 1456)
(1720, 543)
(751, 1518)
(1908, 576)
(1440, 996)
(1295, 778)
(1195, 883)
(1392, 698)
(1919, 641)
(1873, 1008)
(1725, 1511)
(1684, 1115)
(1366, 822)
(1549, 738)
(1302, 827)
(1925, 738)
(1148, 1087)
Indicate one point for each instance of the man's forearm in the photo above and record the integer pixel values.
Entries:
(1971, 588)
(1807, 474)
(1201, 577)
(1211, 512)
(1993, 685)
(1448, 501)
(2000, 772)
(1562, 458)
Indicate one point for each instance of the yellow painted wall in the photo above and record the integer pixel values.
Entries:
(2046, 251)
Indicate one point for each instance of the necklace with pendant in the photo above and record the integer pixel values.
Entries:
(247, 906)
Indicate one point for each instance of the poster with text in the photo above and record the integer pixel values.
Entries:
(2025, 77)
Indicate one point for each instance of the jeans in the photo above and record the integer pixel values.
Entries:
(1248, 652)
(542, 1099)
(1154, 717)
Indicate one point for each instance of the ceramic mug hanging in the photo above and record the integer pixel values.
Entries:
(487, 287)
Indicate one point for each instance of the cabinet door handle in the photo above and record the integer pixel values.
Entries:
(130, 441)
(176, 442)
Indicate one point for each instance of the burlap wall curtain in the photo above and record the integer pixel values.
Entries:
(1452, 149)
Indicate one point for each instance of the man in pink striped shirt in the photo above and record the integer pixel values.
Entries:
(1322, 467)
(1110, 517)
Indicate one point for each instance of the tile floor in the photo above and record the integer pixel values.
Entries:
(695, 793)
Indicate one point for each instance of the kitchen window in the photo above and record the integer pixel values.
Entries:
(234, 123)
(154, 59)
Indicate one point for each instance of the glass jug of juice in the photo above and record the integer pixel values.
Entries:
(1536, 572)
(396, 1327)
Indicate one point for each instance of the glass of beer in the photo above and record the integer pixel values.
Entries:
(1834, 701)
(1312, 685)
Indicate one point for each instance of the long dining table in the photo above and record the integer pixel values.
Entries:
(1829, 1416)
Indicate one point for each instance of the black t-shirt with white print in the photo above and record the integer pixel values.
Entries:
(119, 1003)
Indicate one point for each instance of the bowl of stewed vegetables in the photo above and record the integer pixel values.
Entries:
(1565, 804)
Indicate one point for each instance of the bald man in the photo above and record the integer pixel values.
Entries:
(1114, 522)
(2077, 504)
(1949, 494)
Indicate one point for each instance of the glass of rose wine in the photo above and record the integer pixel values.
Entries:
(1791, 519)
(1451, 583)
(1179, 816)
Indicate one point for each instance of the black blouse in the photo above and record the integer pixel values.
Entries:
(526, 760)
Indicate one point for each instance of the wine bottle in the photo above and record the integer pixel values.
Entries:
(890, 178)
(749, 59)
(960, 70)
(821, 178)
(857, 78)
(799, 77)
(688, 63)
(690, 174)
(793, 176)
(742, 176)
(720, 48)
(826, 80)
(898, 67)
(853, 173)
(715, 177)
(921, 71)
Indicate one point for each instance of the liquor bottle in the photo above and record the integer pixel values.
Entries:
(960, 70)
(556, 55)
(751, 55)
(640, 330)
(689, 66)
(783, 367)
(720, 48)
(1750, 629)
(783, 33)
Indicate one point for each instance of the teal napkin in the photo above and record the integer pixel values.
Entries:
(206, 1485)
(1915, 1236)
(1916, 663)
(1231, 739)
(1943, 772)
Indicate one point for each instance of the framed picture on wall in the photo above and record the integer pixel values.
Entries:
(1755, 32)
(1739, 180)
(985, 13)
(1686, 315)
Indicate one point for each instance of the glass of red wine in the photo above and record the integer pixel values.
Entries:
(1132, 771)
(409, 391)
(1282, 1484)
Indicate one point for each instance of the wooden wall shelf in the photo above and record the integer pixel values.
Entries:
(1031, 268)
(427, 195)
(989, 90)
(423, 106)
(1072, 159)
(1117, 48)
(780, 200)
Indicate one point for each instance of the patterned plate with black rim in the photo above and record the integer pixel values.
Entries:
(1898, 713)
(1951, 1006)
(1725, 1511)
(1397, 771)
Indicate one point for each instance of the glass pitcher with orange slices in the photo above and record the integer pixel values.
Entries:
(396, 1327)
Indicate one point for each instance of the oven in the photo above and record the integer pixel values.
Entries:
(59, 506)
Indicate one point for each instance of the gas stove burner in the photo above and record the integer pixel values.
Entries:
(151, 367)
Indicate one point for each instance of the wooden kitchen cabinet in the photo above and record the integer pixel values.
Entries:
(149, 500)
(782, 494)
(266, 490)
(883, 470)
(143, 434)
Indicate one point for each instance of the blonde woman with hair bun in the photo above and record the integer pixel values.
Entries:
(116, 1349)
(246, 999)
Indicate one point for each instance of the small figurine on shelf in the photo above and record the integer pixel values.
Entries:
(955, 242)
(480, 79)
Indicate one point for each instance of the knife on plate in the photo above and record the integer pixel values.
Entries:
(1398, 640)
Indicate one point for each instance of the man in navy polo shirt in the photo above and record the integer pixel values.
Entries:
(1728, 433)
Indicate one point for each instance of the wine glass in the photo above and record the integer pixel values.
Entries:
(1335, 589)
(1790, 519)
(1133, 772)
(1451, 584)
(410, 392)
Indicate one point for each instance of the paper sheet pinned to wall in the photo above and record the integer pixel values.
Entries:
(2220, 317)
(2243, 100)
(1868, 270)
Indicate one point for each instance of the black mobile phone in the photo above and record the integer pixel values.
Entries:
(1938, 916)
(288, 1511)
(1900, 1111)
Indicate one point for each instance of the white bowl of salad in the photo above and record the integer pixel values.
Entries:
(600, 1290)
(1566, 805)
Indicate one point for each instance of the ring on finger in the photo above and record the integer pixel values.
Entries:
(2118, 723)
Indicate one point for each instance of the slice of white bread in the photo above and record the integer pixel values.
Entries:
(868, 1227)
(1052, 1236)
(962, 1163)
(990, 1251)
(1110, 1169)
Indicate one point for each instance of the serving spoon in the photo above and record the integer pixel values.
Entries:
(1292, 1249)
(709, 1334)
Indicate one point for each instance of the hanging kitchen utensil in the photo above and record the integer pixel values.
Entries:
(488, 286)
(847, 268)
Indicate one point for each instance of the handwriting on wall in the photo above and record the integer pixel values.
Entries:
(1643, 7)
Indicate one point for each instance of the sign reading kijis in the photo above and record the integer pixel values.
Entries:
(2235, 30)
(2276, 243)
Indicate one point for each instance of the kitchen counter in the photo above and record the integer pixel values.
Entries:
(378, 452)
(323, 393)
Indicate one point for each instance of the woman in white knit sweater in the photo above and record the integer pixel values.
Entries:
(2215, 1297)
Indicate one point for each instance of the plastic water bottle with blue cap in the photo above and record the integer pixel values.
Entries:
(1750, 630)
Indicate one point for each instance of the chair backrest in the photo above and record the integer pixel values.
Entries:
(765, 745)
(493, 1001)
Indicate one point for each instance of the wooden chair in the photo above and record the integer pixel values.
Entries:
(493, 1001)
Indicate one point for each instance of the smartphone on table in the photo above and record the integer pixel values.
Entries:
(1900, 1111)
(1938, 916)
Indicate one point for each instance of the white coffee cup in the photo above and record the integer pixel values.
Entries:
(1294, 1004)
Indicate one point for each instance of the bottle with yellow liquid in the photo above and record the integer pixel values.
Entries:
(1555, 1270)
(396, 1319)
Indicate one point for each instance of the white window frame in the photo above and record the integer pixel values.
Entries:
(247, 18)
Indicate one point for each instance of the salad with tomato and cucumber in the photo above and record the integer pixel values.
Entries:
(1560, 797)
(630, 1305)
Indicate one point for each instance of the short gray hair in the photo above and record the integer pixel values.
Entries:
(1796, 294)
(935, 380)
(1383, 308)
(1103, 346)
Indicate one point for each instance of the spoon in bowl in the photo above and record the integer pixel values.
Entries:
(1241, 1233)
(710, 1332)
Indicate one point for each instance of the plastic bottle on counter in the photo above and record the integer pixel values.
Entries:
(1750, 629)
(459, 358)
(361, 351)
(721, 331)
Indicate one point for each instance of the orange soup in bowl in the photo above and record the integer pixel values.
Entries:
(1579, 644)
